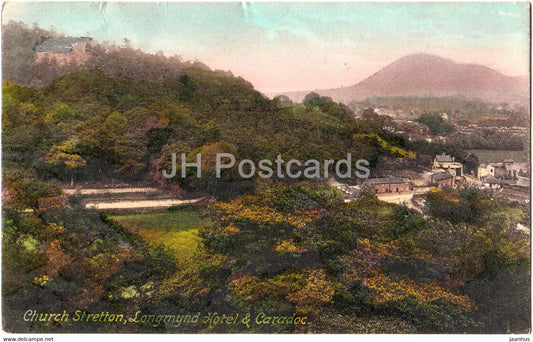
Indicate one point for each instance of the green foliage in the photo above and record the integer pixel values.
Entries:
(284, 101)
(172, 221)
(326, 105)
(214, 275)
(256, 254)
(356, 299)
(436, 124)
(375, 219)
(488, 140)
(471, 205)
(157, 138)
(436, 237)
(314, 99)
(438, 316)
(35, 189)
(448, 204)
(503, 293)
(176, 229)
(126, 125)
(21, 255)
(339, 237)
(285, 248)
(417, 269)
(161, 261)
(303, 195)
(430, 149)
(115, 61)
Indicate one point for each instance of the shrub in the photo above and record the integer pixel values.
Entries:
(214, 275)
(417, 269)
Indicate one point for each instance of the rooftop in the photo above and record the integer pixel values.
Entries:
(388, 180)
(60, 44)
(493, 180)
(444, 158)
(441, 175)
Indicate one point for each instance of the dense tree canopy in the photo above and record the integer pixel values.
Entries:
(276, 247)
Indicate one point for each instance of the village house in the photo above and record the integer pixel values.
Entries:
(390, 185)
(495, 183)
(63, 50)
(484, 170)
(506, 170)
(410, 129)
(515, 169)
(447, 163)
(500, 171)
(442, 179)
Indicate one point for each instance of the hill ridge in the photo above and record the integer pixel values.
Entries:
(423, 74)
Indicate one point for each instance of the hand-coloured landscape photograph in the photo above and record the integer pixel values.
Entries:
(295, 168)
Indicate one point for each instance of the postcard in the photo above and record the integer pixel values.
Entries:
(266, 168)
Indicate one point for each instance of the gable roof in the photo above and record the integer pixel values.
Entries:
(441, 176)
(444, 158)
(60, 44)
(388, 180)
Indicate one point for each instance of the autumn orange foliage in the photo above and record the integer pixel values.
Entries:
(238, 208)
(385, 289)
(318, 290)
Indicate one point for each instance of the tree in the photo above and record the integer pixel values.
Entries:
(314, 99)
(284, 101)
(436, 124)
(33, 190)
(63, 155)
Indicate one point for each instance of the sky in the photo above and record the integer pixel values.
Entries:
(296, 45)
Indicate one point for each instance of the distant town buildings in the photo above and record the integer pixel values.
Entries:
(63, 50)
(442, 179)
(514, 169)
(506, 170)
(393, 185)
(447, 163)
(484, 170)
(508, 177)
(495, 183)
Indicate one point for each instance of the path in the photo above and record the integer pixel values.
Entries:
(106, 191)
(137, 204)
(136, 201)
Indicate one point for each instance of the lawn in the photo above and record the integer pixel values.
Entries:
(176, 230)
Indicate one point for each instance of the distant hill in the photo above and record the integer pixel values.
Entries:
(429, 75)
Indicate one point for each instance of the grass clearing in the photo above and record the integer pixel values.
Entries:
(176, 230)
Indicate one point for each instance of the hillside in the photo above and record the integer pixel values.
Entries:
(259, 255)
(288, 249)
(86, 125)
(429, 75)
